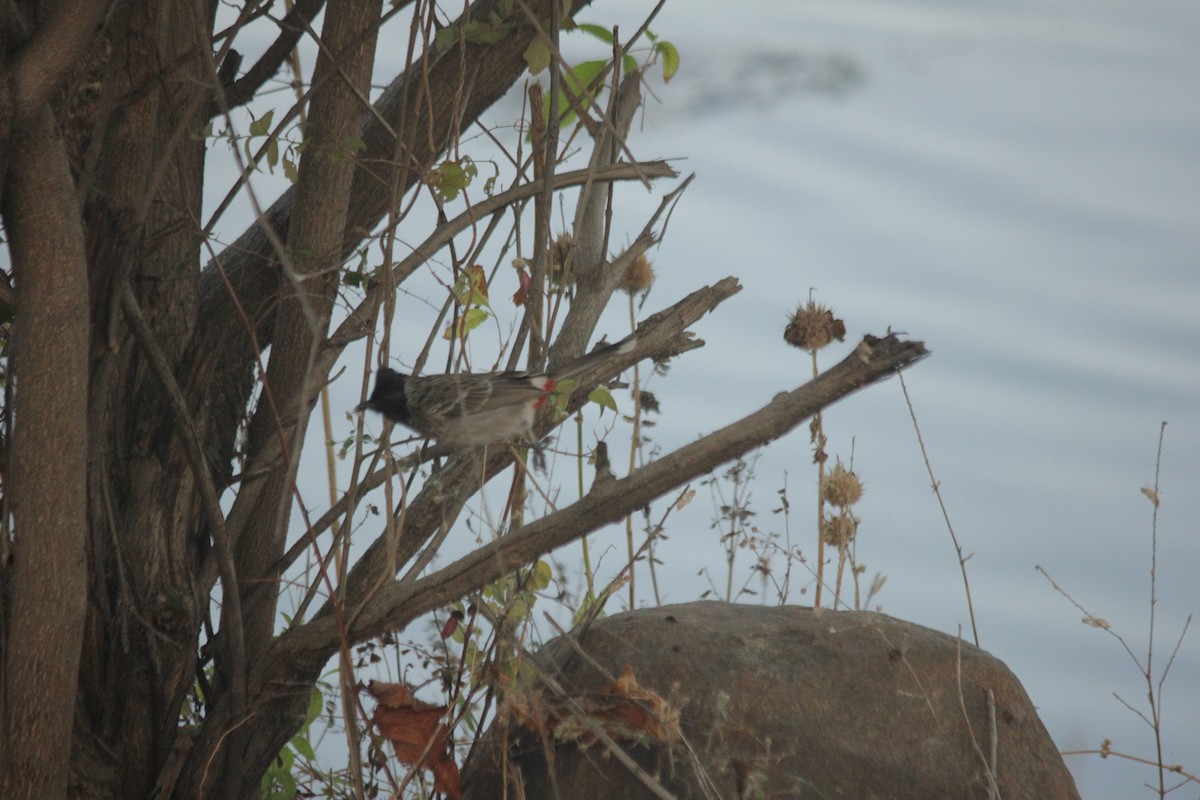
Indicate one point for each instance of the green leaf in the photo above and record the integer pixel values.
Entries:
(285, 762)
(478, 32)
(451, 177)
(302, 746)
(445, 38)
(603, 398)
(590, 601)
(316, 702)
(670, 59)
(537, 55)
(262, 125)
(629, 64)
(346, 150)
(562, 393)
(600, 32)
(579, 78)
(289, 170)
(521, 607)
(272, 153)
(354, 277)
(583, 73)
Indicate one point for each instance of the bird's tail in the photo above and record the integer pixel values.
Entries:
(587, 362)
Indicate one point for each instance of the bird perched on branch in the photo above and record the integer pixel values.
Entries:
(472, 409)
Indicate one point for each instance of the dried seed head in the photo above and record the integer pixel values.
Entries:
(1152, 494)
(812, 326)
(839, 530)
(638, 277)
(557, 267)
(842, 487)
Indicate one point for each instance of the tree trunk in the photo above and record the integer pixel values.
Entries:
(46, 583)
(143, 168)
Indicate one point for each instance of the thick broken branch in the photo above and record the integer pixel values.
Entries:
(658, 337)
(397, 603)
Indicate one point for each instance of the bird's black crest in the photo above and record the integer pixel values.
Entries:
(389, 397)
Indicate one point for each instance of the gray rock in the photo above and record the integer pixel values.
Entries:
(776, 702)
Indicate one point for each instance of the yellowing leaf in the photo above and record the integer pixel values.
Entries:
(467, 321)
(539, 576)
(471, 289)
(670, 59)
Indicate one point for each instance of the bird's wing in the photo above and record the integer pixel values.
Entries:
(452, 396)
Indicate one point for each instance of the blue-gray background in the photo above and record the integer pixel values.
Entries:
(1018, 185)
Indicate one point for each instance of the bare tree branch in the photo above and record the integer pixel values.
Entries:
(224, 355)
(450, 489)
(291, 28)
(597, 277)
(672, 346)
(398, 603)
(53, 50)
(343, 75)
(356, 325)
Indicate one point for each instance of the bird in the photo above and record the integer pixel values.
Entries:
(473, 409)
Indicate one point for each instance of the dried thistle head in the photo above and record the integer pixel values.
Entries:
(812, 326)
(841, 486)
(638, 276)
(557, 269)
(839, 530)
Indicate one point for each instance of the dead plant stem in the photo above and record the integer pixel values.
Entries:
(962, 560)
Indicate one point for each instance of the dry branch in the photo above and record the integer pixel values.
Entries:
(659, 337)
(397, 603)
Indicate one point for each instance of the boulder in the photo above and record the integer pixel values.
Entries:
(707, 700)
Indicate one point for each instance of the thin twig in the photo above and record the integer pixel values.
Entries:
(1155, 707)
(1154, 691)
(1106, 753)
(962, 560)
(988, 766)
(994, 741)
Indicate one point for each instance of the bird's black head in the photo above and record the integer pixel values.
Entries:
(389, 397)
